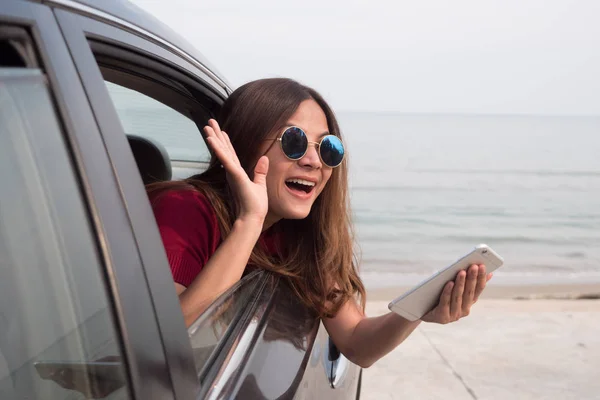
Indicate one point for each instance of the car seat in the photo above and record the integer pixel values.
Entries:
(151, 158)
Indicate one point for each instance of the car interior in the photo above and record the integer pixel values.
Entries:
(154, 151)
(15, 48)
(152, 89)
(151, 158)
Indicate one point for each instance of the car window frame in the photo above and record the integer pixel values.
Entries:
(79, 30)
(223, 378)
(73, 279)
(256, 281)
(131, 305)
(129, 69)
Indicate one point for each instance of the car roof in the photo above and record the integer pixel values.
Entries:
(129, 15)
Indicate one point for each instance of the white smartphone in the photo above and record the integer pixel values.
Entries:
(421, 299)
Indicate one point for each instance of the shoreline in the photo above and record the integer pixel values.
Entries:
(569, 291)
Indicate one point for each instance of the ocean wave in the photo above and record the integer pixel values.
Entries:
(558, 241)
(575, 255)
(431, 216)
(521, 239)
(391, 219)
(508, 172)
(385, 265)
(462, 188)
(534, 217)
(590, 225)
(404, 188)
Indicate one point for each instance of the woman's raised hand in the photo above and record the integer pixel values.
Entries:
(459, 295)
(251, 195)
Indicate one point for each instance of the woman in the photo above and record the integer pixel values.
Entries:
(275, 196)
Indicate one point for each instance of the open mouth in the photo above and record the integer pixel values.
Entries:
(300, 185)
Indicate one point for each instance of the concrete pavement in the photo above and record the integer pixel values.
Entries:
(506, 349)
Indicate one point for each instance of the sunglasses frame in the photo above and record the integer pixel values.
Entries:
(317, 146)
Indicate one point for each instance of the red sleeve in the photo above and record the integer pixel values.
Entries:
(189, 230)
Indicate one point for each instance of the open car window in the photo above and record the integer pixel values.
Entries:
(159, 104)
(155, 102)
(141, 115)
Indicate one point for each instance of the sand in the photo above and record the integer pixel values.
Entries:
(520, 342)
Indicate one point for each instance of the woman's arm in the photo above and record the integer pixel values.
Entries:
(225, 267)
(222, 270)
(365, 340)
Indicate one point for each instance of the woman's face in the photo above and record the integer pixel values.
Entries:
(289, 198)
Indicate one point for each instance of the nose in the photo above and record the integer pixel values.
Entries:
(311, 159)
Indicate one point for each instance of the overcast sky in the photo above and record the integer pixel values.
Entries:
(418, 56)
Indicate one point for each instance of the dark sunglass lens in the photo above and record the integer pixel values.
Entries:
(294, 143)
(332, 151)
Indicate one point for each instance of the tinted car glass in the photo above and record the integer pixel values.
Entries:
(210, 331)
(144, 116)
(57, 335)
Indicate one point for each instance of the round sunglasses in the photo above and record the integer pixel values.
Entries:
(294, 144)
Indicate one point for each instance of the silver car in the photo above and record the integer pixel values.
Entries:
(98, 98)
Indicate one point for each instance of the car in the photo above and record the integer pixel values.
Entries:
(98, 99)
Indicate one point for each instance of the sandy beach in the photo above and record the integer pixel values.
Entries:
(520, 342)
(504, 291)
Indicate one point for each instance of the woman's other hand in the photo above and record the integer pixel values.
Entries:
(459, 296)
(251, 195)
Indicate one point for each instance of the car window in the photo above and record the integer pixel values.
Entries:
(169, 110)
(57, 334)
(144, 116)
(210, 331)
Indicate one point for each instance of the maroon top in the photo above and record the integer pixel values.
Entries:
(190, 232)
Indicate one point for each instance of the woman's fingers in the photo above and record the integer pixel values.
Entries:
(219, 148)
(221, 139)
(457, 295)
(470, 287)
(213, 131)
(251, 197)
(481, 281)
(221, 145)
(216, 128)
(446, 296)
(231, 149)
(441, 313)
(261, 170)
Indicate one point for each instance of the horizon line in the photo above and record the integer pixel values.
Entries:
(464, 114)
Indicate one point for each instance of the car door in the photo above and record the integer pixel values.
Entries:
(115, 64)
(143, 88)
(77, 318)
(285, 353)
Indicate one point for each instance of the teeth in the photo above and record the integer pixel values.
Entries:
(301, 182)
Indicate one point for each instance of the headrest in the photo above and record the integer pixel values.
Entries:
(152, 159)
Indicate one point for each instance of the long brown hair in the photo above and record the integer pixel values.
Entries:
(317, 257)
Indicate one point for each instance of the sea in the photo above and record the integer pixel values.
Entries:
(426, 189)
